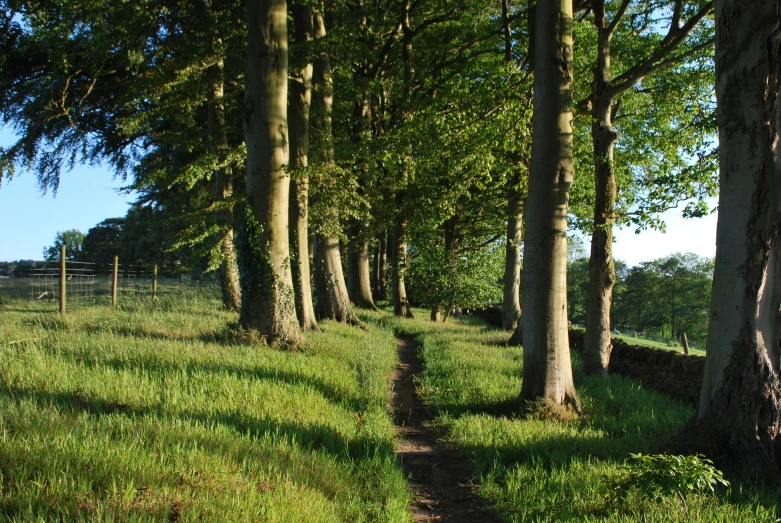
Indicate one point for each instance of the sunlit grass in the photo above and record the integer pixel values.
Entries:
(541, 468)
(155, 412)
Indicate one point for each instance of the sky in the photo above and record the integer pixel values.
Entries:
(88, 195)
(30, 220)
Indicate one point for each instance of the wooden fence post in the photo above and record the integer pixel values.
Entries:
(63, 277)
(114, 282)
(154, 282)
(685, 343)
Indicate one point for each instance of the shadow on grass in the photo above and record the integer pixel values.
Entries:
(313, 437)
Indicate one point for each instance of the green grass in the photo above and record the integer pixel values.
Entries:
(632, 340)
(544, 469)
(155, 412)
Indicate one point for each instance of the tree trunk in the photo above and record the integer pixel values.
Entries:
(298, 118)
(328, 249)
(358, 267)
(268, 303)
(401, 306)
(332, 277)
(602, 272)
(382, 267)
(511, 301)
(223, 175)
(547, 373)
(740, 404)
(436, 312)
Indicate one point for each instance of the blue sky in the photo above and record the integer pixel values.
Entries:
(87, 195)
(30, 220)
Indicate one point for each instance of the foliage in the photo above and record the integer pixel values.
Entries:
(101, 243)
(657, 475)
(72, 239)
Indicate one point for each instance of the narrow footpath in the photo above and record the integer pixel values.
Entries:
(437, 475)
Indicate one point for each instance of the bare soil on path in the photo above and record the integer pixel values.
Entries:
(437, 474)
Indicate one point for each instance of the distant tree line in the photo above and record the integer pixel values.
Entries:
(664, 297)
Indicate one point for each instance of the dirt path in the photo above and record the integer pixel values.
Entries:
(438, 477)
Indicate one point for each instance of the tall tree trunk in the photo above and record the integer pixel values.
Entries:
(359, 271)
(223, 176)
(268, 303)
(740, 403)
(328, 247)
(511, 301)
(547, 373)
(382, 267)
(401, 306)
(337, 306)
(602, 272)
(298, 118)
(359, 267)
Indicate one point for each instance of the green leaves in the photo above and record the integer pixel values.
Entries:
(657, 475)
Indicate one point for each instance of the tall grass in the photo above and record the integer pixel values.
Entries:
(551, 466)
(155, 411)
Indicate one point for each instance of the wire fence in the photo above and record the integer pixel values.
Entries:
(87, 283)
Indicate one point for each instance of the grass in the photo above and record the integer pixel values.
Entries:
(541, 468)
(155, 412)
(632, 340)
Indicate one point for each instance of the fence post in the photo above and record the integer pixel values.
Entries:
(685, 342)
(62, 279)
(114, 282)
(154, 282)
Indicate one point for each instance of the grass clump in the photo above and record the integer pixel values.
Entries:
(552, 465)
(155, 411)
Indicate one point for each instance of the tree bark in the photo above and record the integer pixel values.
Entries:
(401, 306)
(602, 272)
(223, 175)
(547, 373)
(298, 118)
(740, 405)
(268, 303)
(511, 301)
(382, 267)
(330, 264)
(337, 306)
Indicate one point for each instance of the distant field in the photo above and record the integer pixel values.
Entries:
(657, 344)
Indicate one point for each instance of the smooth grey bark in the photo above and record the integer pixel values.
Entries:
(338, 304)
(511, 292)
(382, 266)
(740, 405)
(270, 306)
(298, 118)
(401, 306)
(547, 373)
(223, 176)
(358, 263)
(604, 92)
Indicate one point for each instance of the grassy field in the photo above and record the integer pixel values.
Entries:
(158, 411)
(155, 412)
(632, 340)
(545, 468)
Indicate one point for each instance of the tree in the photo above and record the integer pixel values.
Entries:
(740, 405)
(547, 372)
(299, 122)
(605, 100)
(72, 239)
(101, 243)
(268, 304)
